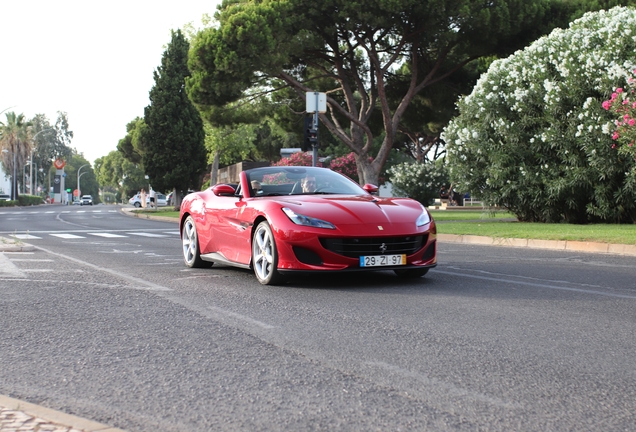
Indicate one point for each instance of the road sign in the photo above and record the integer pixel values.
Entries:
(316, 100)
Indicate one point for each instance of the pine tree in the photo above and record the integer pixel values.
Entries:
(175, 155)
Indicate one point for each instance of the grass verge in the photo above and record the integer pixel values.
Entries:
(457, 223)
(480, 223)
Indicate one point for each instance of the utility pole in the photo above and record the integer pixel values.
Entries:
(315, 103)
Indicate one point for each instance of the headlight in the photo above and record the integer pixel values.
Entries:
(423, 219)
(299, 219)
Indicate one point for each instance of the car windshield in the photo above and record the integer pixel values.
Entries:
(285, 180)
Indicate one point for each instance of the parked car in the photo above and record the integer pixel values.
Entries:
(136, 200)
(160, 200)
(86, 200)
(305, 220)
(5, 197)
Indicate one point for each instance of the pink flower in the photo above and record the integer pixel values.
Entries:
(631, 122)
(607, 104)
(615, 136)
(619, 90)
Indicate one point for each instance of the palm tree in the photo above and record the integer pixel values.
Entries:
(15, 138)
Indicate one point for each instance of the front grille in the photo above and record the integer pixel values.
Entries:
(355, 247)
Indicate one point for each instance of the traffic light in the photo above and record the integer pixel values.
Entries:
(311, 134)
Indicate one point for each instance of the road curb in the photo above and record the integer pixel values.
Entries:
(564, 245)
(129, 212)
(53, 416)
(12, 245)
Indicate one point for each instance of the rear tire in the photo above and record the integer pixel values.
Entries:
(137, 204)
(190, 245)
(265, 256)
(411, 273)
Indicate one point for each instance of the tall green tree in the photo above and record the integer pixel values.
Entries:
(16, 147)
(133, 146)
(50, 141)
(117, 172)
(88, 181)
(350, 49)
(174, 156)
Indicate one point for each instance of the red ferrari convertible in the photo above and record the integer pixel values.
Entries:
(281, 220)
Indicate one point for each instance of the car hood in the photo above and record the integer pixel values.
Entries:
(360, 212)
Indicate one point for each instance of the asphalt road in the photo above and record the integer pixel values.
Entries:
(104, 321)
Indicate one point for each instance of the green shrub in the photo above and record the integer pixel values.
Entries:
(533, 136)
(420, 181)
(29, 200)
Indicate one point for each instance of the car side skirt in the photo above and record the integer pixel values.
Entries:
(220, 259)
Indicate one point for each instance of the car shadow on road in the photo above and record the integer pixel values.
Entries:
(360, 281)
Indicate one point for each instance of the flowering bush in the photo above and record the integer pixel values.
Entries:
(344, 165)
(296, 159)
(623, 103)
(420, 181)
(533, 136)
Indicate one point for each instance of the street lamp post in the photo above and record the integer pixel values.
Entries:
(13, 179)
(31, 170)
(79, 191)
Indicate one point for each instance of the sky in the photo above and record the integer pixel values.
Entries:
(93, 60)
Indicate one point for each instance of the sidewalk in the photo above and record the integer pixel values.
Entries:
(20, 416)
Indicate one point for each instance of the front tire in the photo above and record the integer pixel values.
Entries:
(265, 255)
(190, 245)
(411, 273)
(138, 204)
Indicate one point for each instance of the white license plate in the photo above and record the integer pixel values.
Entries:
(382, 260)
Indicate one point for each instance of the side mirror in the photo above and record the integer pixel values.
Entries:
(223, 190)
(372, 189)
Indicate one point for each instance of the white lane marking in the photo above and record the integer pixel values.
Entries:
(49, 212)
(150, 286)
(144, 234)
(9, 269)
(31, 260)
(105, 234)
(241, 317)
(25, 236)
(539, 285)
(68, 236)
(97, 211)
(450, 388)
(172, 232)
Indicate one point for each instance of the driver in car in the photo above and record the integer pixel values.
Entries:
(309, 184)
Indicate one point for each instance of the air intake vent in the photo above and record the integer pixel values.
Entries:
(355, 247)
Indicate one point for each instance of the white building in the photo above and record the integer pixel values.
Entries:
(5, 181)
